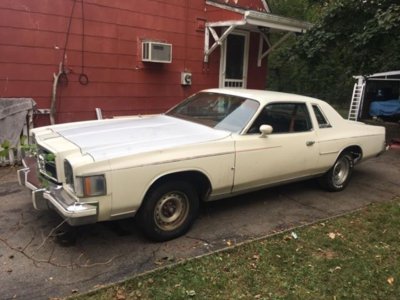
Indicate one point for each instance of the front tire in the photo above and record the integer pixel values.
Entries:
(338, 177)
(168, 211)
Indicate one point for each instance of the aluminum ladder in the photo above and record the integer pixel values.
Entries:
(356, 99)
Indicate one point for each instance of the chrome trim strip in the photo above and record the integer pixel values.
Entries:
(77, 210)
(347, 138)
(177, 160)
(326, 153)
(258, 149)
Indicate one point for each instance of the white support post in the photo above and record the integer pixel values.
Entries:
(213, 33)
(260, 49)
(206, 44)
(271, 48)
(263, 37)
(217, 40)
(99, 113)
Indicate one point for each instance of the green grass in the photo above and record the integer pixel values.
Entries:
(352, 257)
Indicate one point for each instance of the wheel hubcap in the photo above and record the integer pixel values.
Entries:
(171, 210)
(341, 171)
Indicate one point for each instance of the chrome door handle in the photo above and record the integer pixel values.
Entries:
(310, 143)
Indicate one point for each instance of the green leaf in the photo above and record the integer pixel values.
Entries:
(6, 144)
(50, 157)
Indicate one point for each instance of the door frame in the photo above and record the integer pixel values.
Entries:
(222, 67)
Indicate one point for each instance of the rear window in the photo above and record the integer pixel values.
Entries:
(322, 120)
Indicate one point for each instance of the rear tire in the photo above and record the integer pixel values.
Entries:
(168, 211)
(338, 177)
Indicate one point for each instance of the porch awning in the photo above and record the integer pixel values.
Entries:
(253, 21)
(276, 22)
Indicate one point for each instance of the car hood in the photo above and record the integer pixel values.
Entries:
(108, 139)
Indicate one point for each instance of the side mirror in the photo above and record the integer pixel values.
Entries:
(265, 130)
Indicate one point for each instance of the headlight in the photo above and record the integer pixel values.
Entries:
(90, 186)
(69, 175)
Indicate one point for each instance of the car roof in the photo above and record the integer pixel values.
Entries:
(263, 96)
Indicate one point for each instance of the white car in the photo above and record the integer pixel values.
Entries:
(215, 144)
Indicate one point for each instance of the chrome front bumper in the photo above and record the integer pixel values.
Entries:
(55, 197)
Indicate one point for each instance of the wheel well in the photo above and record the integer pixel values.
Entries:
(199, 181)
(355, 151)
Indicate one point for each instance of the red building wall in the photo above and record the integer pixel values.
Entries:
(32, 38)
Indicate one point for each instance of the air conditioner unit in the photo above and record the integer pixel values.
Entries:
(156, 52)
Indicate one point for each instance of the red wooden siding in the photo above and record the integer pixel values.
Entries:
(33, 35)
(215, 14)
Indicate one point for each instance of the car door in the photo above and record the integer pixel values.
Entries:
(289, 152)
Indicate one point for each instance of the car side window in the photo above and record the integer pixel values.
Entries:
(284, 118)
(322, 121)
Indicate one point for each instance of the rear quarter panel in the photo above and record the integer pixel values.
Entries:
(332, 141)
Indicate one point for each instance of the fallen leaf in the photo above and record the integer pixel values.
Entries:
(258, 296)
(191, 293)
(294, 235)
(228, 242)
(287, 237)
(335, 269)
(120, 295)
(332, 235)
(390, 280)
(253, 266)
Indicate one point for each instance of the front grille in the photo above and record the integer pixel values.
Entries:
(47, 163)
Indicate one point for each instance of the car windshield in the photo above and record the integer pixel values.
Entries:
(219, 111)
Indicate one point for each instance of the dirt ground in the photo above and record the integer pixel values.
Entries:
(40, 257)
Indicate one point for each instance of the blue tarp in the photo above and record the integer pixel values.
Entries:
(385, 108)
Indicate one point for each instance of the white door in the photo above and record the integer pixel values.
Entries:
(234, 60)
(291, 152)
